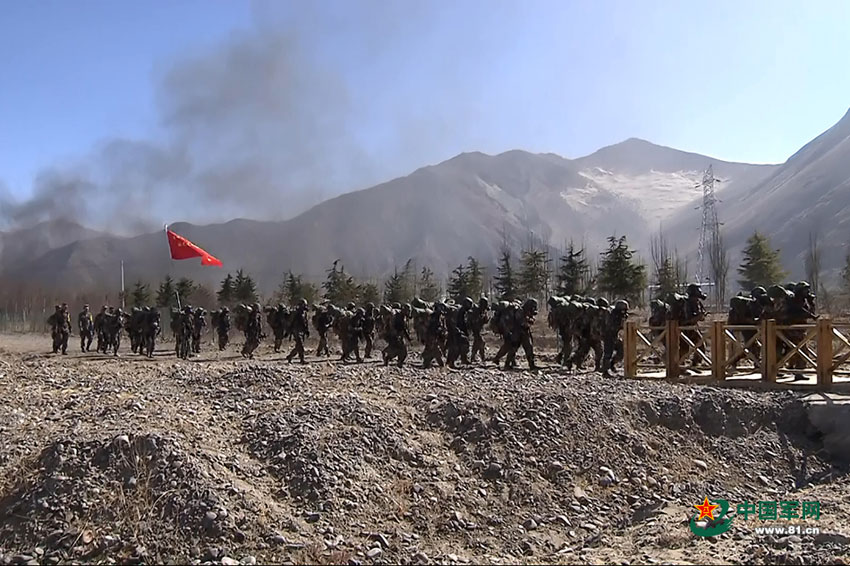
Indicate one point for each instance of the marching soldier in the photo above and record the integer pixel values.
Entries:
(85, 323)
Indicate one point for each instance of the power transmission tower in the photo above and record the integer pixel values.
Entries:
(710, 226)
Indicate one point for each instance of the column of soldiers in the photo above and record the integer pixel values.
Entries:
(790, 304)
(584, 324)
(450, 333)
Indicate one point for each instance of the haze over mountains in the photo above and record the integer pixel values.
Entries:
(440, 214)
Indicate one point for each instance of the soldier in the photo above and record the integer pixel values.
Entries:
(100, 329)
(520, 334)
(253, 331)
(323, 321)
(150, 330)
(355, 333)
(797, 312)
(658, 313)
(340, 326)
(434, 333)
(368, 329)
(60, 328)
(477, 320)
(502, 325)
(457, 341)
(395, 334)
(222, 327)
(589, 324)
(562, 321)
(134, 329)
(114, 327)
(199, 322)
(745, 311)
(694, 313)
(299, 330)
(614, 323)
(276, 317)
(85, 323)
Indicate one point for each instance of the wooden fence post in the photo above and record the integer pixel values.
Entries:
(672, 361)
(718, 350)
(768, 351)
(630, 347)
(824, 354)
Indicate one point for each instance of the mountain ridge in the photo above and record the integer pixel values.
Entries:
(465, 205)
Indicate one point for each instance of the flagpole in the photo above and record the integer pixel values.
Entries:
(122, 285)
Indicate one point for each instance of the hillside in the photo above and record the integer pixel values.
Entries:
(808, 193)
(438, 215)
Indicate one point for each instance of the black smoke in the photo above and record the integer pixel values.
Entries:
(256, 128)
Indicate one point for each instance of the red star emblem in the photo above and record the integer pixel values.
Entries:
(706, 510)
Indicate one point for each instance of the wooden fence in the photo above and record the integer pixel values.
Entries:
(766, 351)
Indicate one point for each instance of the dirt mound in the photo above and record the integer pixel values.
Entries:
(129, 497)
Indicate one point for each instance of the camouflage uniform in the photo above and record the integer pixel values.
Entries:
(114, 328)
(520, 334)
(222, 327)
(85, 324)
(368, 330)
(395, 334)
(478, 318)
(100, 329)
(355, 332)
(589, 324)
(60, 328)
(300, 329)
(253, 331)
(614, 322)
(199, 322)
(323, 321)
(434, 333)
(151, 329)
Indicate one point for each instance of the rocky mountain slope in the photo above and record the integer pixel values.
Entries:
(808, 193)
(438, 215)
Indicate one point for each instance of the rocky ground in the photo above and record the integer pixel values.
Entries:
(223, 460)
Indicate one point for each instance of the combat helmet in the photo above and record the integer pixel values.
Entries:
(758, 291)
(621, 305)
(530, 305)
(467, 302)
(350, 306)
(484, 303)
(694, 290)
(602, 302)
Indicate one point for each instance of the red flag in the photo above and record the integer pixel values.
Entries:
(181, 248)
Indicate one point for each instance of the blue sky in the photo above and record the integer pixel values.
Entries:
(410, 83)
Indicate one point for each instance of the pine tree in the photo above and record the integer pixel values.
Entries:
(504, 282)
(458, 284)
(394, 288)
(573, 273)
(244, 288)
(429, 288)
(293, 288)
(226, 293)
(140, 296)
(339, 287)
(185, 288)
(533, 273)
(761, 265)
(165, 297)
(620, 276)
(474, 278)
(666, 281)
(369, 293)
